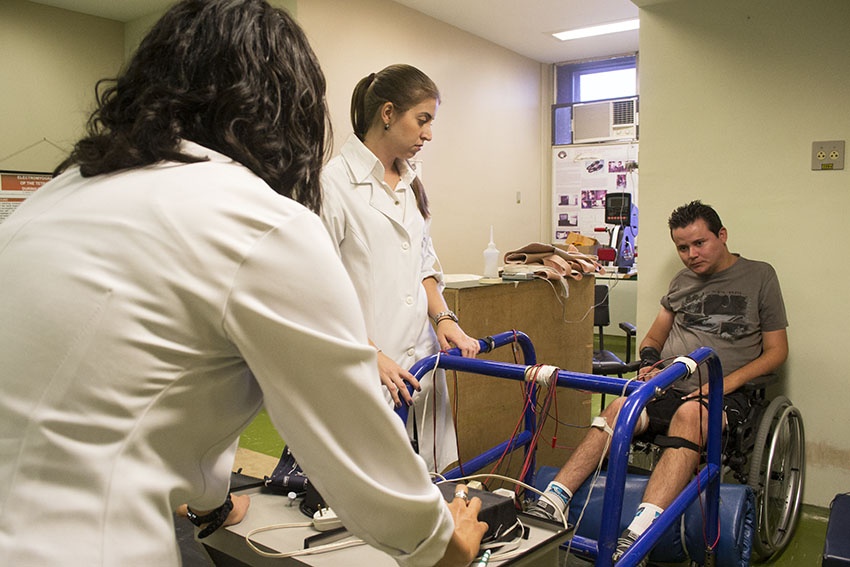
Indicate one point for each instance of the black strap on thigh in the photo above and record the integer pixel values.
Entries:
(667, 442)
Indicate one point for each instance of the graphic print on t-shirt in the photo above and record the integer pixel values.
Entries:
(718, 313)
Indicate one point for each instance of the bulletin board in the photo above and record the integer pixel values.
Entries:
(582, 176)
(16, 186)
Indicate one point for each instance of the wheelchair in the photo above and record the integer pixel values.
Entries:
(765, 452)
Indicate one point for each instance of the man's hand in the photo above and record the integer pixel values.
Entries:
(647, 372)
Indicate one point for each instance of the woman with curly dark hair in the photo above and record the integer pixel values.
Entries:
(170, 282)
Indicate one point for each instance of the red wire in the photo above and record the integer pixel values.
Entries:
(527, 396)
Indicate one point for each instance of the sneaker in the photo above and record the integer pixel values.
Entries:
(624, 542)
(542, 508)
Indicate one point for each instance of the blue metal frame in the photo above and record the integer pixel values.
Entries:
(638, 395)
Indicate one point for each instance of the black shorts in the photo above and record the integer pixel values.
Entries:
(736, 406)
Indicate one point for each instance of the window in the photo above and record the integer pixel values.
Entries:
(596, 80)
(589, 81)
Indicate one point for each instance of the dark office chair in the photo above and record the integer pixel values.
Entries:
(606, 362)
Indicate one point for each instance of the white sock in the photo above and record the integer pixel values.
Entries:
(645, 515)
(559, 494)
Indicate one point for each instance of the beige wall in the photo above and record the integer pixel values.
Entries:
(50, 60)
(486, 144)
(488, 137)
(733, 93)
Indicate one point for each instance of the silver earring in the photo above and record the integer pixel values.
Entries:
(386, 125)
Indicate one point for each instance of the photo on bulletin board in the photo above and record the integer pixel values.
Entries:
(582, 177)
(16, 186)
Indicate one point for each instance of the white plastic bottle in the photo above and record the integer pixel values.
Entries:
(491, 260)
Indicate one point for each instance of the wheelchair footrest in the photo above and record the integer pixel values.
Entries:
(836, 548)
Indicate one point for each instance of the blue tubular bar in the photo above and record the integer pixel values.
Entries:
(638, 395)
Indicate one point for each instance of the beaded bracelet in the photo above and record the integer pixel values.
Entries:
(214, 519)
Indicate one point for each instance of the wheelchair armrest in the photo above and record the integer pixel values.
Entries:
(630, 331)
(759, 383)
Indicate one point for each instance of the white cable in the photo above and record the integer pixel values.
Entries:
(309, 551)
(508, 549)
(626, 385)
(590, 490)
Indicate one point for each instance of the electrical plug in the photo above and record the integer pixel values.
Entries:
(325, 519)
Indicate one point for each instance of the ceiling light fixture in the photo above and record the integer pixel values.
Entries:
(603, 29)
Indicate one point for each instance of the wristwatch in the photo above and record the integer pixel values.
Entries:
(445, 315)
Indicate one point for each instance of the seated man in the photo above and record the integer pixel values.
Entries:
(721, 300)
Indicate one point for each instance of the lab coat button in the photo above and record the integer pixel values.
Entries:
(409, 300)
(405, 246)
(411, 352)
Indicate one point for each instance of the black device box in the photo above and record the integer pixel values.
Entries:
(497, 511)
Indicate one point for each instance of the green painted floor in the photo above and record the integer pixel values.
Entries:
(806, 545)
(262, 437)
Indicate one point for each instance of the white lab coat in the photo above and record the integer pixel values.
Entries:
(385, 245)
(147, 316)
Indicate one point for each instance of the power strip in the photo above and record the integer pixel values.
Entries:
(325, 519)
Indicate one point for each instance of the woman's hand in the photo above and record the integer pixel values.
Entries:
(466, 539)
(449, 333)
(241, 503)
(393, 377)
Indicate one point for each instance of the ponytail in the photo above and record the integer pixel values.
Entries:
(421, 197)
(359, 118)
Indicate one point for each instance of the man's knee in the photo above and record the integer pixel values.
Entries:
(690, 413)
(610, 414)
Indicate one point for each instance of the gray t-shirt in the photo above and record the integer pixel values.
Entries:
(727, 311)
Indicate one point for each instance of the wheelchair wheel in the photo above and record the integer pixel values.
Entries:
(776, 475)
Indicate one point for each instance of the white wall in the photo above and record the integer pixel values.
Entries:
(487, 136)
(51, 60)
(733, 93)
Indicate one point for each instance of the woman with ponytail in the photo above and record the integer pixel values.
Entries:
(376, 210)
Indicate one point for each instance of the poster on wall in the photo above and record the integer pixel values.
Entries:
(582, 176)
(16, 186)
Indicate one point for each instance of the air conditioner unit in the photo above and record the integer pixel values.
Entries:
(605, 121)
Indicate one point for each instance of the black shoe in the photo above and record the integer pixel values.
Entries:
(624, 542)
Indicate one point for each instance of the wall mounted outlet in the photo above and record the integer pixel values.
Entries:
(828, 155)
